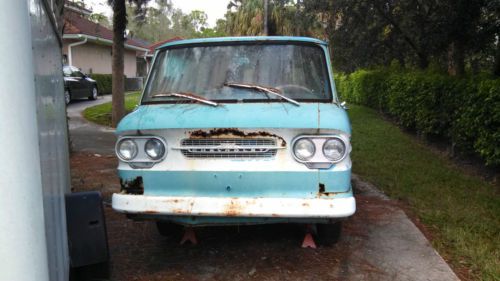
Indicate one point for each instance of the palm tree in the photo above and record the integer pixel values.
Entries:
(119, 25)
(285, 17)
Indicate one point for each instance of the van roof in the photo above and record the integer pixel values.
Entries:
(243, 39)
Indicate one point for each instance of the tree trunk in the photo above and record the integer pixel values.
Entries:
(266, 6)
(496, 68)
(456, 58)
(119, 24)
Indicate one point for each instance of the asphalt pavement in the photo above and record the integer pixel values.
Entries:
(86, 136)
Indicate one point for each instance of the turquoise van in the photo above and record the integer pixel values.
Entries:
(238, 130)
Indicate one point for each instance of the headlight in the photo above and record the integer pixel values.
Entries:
(155, 149)
(304, 149)
(127, 149)
(334, 149)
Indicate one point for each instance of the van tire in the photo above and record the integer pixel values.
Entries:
(168, 229)
(329, 233)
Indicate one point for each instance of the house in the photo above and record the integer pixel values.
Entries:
(88, 45)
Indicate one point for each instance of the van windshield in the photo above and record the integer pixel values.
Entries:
(296, 71)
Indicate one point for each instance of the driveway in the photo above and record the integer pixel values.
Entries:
(86, 136)
(379, 242)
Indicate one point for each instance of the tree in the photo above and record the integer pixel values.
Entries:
(464, 32)
(157, 23)
(197, 19)
(490, 20)
(285, 17)
(119, 26)
(101, 19)
(165, 21)
(413, 32)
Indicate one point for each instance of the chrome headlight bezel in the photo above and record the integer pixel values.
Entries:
(319, 159)
(141, 159)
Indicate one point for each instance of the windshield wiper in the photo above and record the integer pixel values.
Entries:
(262, 89)
(185, 95)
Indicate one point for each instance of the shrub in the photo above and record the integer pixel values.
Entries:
(465, 111)
(104, 83)
(478, 123)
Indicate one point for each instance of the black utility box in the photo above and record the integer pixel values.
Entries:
(88, 243)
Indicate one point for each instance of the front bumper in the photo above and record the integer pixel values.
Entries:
(235, 206)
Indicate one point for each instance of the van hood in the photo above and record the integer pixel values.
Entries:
(237, 115)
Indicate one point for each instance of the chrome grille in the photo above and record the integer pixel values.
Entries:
(228, 148)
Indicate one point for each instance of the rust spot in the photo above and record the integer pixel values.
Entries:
(305, 204)
(170, 201)
(327, 194)
(151, 212)
(232, 209)
(233, 132)
(134, 186)
(322, 191)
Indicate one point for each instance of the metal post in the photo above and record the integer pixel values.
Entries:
(266, 4)
(23, 250)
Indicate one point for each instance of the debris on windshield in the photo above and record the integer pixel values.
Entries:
(262, 89)
(190, 96)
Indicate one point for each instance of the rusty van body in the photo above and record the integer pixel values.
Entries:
(242, 130)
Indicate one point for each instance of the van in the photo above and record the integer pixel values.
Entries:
(238, 130)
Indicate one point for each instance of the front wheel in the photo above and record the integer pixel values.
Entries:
(93, 94)
(168, 229)
(329, 233)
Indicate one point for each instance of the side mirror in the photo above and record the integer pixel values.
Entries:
(344, 105)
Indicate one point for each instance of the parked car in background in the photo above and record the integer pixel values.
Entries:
(78, 85)
(244, 130)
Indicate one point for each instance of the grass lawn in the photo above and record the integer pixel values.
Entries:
(101, 114)
(462, 211)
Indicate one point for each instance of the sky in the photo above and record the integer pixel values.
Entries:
(215, 9)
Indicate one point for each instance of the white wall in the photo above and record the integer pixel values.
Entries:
(96, 58)
(23, 249)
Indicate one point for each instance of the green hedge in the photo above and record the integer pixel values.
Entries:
(465, 111)
(103, 83)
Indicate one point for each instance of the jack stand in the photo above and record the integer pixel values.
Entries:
(308, 238)
(189, 235)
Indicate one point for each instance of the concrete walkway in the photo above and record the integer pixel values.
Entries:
(389, 246)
